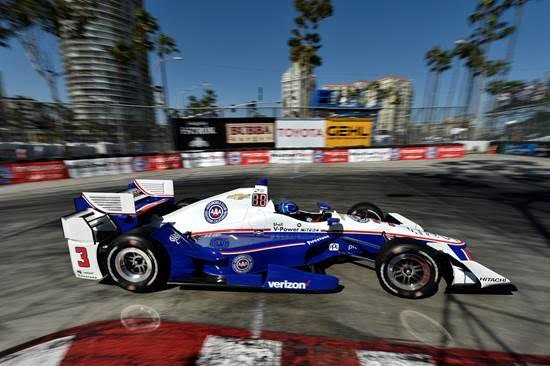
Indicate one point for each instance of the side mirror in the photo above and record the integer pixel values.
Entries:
(333, 221)
(324, 206)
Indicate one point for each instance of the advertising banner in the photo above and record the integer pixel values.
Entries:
(411, 153)
(452, 151)
(291, 156)
(252, 132)
(330, 156)
(248, 157)
(97, 167)
(199, 134)
(156, 162)
(360, 155)
(203, 159)
(13, 173)
(348, 132)
(529, 149)
(300, 133)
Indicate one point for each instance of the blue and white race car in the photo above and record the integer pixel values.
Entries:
(142, 239)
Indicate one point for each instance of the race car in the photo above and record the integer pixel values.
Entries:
(143, 239)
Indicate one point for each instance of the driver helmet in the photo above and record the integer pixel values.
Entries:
(288, 208)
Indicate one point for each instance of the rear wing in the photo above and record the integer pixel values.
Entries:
(141, 196)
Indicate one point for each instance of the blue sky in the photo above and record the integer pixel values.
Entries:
(240, 45)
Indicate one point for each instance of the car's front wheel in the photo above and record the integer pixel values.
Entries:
(408, 269)
(136, 264)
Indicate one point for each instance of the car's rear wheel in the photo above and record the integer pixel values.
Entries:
(136, 264)
(408, 269)
(366, 210)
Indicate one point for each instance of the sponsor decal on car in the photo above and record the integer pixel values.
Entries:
(175, 238)
(279, 226)
(317, 240)
(242, 263)
(493, 279)
(219, 243)
(238, 196)
(334, 247)
(288, 285)
(215, 212)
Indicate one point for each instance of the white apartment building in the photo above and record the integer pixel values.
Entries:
(295, 98)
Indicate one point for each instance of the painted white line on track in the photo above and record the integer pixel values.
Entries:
(45, 354)
(258, 319)
(379, 358)
(218, 351)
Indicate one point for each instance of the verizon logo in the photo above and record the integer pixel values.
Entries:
(288, 285)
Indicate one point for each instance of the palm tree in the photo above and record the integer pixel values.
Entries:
(438, 61)
(306, 42)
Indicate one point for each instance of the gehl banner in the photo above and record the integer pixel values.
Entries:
(348, 132)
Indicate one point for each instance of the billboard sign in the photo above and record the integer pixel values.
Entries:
(348, 132)
(25, 172)
(250, 132)
(203, 159)
(196, 134)
(300, 133)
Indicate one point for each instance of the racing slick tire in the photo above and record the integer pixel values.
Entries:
(408, 269)
(366, 210)
(137, 265)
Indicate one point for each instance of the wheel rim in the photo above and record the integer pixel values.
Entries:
(133, 264)
(409, 272)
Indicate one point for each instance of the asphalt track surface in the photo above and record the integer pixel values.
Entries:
(499, 205)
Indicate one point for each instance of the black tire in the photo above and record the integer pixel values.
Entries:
(366, 210)
(136, 264)
(186, 202)
(401, 261)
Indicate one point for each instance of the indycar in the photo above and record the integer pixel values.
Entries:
(142, 239)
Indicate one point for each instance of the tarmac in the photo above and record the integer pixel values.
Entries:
(500, 205)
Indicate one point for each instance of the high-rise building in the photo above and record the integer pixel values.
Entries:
(296, 95)
(98, 85)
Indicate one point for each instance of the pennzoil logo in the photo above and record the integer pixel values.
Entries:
(238, 196)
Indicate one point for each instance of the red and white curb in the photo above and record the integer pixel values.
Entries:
(172, 343)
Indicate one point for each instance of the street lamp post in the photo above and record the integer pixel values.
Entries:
(164, 80)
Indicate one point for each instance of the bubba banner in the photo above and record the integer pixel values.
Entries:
(32, 172)
(250, 132)
(203, 133)
(348, 132)
(248, 157)
(300, 133)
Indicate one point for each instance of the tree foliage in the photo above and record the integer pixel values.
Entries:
(146, 37)
(305, 41)
(17, 16)
(205, 105)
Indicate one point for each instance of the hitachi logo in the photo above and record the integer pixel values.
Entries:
(493, 279)
(288, 285)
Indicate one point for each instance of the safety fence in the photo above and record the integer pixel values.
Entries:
(23, 172)
(527, 148)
